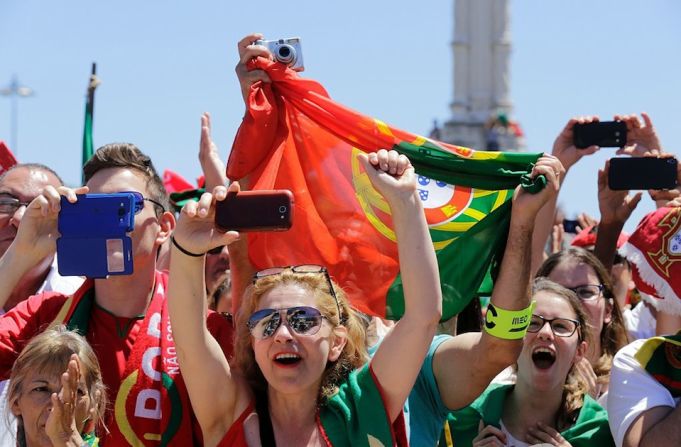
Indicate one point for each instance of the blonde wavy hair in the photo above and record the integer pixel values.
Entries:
(50, 351)
(575, 387)
(354, 354)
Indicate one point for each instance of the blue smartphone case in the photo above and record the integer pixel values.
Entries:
(93, 238)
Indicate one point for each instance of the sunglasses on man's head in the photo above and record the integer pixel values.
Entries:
(303, 320)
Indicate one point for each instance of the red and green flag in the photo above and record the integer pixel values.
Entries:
(295, 137)
(88, 144)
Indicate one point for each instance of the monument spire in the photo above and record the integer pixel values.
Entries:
(481, 108)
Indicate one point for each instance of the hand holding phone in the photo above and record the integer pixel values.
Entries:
(262, 210)
(642, 173)
(600, 133)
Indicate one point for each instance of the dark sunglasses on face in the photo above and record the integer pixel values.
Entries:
(303, 320)
(140, 199)
(562, 327)
(302, 269)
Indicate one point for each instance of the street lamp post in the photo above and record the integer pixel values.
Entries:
(15, 91)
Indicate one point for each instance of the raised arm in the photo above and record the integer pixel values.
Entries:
(393, 176)
(615, 208)
(465, 365)
(212, 165)
(247, 51)
(564, 149)
(202, 362)
(36, 237)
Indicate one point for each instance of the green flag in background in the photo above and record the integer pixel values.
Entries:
(88, 145)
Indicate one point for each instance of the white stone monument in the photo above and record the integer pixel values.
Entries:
(481, 110)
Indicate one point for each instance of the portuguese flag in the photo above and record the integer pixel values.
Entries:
(295, 137)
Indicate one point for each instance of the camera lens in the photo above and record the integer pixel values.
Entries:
(285, 54)
(282, 209)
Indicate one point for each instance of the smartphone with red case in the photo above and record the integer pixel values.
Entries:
(262, 210)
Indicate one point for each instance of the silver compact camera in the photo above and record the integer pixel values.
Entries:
(286, 51)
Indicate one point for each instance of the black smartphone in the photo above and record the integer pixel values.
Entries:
(642, 173)
(570, 226)
(603, 134)
(263, 210)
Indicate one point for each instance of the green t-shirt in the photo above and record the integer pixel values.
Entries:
(356, 414)
(590, 429)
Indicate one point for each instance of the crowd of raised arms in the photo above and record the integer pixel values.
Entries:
(195, 348)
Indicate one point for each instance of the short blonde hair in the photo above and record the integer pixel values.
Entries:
(50, 351)
(354, 353)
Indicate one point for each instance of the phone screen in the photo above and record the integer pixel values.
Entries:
(642, 173)
(602, 134)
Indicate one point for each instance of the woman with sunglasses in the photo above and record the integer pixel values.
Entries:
(579, 270)
(548, 403)
(302, 377)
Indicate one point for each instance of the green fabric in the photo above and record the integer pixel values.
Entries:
(355, 415)
(503, 170)
(91, 440)
(88, 144)
(590, 429)
(80, 319)
(664, 363)
(178, 199)
(464, 262)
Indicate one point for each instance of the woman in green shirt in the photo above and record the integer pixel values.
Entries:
(548, 403)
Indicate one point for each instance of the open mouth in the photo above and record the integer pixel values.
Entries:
(543, 358)
(287, 359)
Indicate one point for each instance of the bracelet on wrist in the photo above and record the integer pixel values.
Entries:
(183, 250)
(508, 324)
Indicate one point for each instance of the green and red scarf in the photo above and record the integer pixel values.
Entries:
(661, 357)
(151, 408)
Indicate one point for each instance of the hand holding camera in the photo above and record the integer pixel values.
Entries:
(287, 51)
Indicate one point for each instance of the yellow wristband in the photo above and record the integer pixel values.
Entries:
(508, 324)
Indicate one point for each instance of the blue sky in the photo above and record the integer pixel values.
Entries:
(162, 63)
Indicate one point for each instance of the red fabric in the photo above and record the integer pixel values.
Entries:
(330, 227)
(38, 312)
(22, 322)
(236, 436)
(7, 159)
(587, 238)
(654, 249)
(398, 427)
(174, 182)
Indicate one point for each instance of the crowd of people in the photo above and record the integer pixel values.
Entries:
(195, 348)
